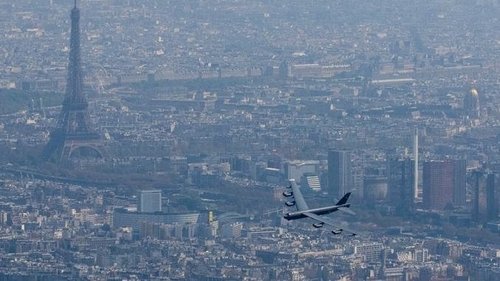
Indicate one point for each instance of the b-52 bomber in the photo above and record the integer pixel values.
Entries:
(303, 211)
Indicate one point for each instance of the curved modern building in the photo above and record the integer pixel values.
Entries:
(123, 218)
(375, 188)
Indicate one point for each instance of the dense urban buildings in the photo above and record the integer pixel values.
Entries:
(198, 114)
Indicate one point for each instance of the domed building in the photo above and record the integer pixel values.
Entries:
(471, 104)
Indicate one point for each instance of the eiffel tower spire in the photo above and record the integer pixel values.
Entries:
(73, 133)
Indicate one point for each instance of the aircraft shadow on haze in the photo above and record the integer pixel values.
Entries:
(303, 211)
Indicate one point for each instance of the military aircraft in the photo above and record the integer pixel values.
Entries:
(303, 211)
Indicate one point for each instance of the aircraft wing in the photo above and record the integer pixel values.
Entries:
(298, 197)
(329, 222)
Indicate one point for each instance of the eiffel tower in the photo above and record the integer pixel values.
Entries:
(73, 138)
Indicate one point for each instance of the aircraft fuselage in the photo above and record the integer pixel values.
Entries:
(318, 211)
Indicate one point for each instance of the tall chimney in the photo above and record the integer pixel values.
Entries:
(415, 168)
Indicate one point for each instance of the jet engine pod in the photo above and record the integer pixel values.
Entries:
(290, 203)
(318, 225)
(337, 231)
(287, 193)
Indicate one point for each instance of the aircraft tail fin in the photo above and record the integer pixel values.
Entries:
(344, 199)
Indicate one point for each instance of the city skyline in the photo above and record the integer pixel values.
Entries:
(206, 111)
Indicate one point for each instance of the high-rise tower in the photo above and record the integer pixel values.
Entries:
(401, 177)
(339, 172)
(437, 184)
(444, 183)
(73, 137)
(485, 203)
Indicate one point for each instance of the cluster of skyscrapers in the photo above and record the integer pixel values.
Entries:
(431, 185)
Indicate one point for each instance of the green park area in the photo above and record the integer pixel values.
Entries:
(12, 101)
